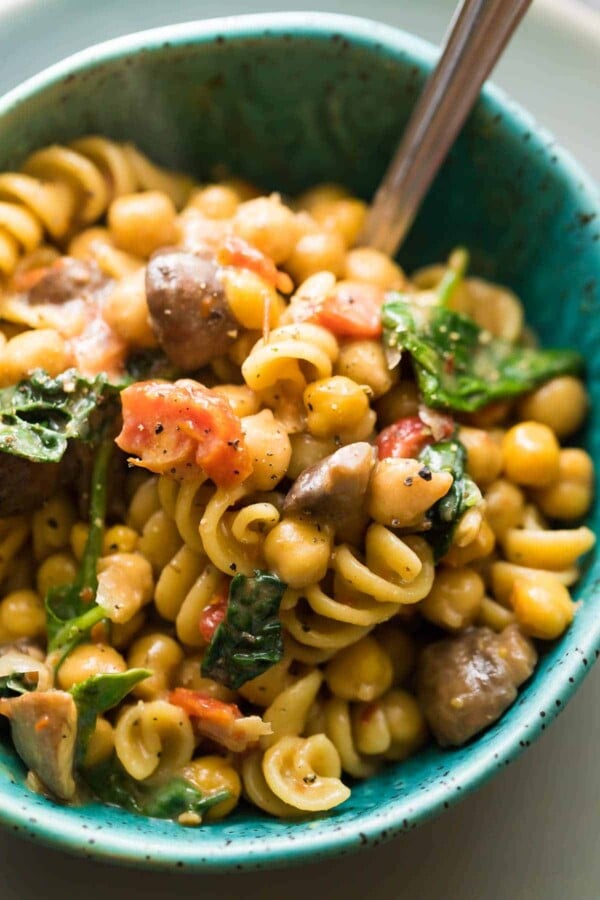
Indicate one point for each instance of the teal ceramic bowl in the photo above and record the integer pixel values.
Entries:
(289, 100)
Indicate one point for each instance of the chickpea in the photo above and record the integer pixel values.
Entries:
(22, 612)
(308, 450)
(121, 633)
(215, 201)
(51, 525)
(504, 506)
(542, 605)
(298, 551)
(327, 192)
(268, 225)
(126, 311)
(87, 660)
(241, 399)
(362, 671)
(364, 362)
(211, 775)
(373, 267)
(401, 649)
(531, 454)
(249, 297)
(401, 491)
(78, 538)
(334, 405)
(401, 401)
(406, 723)
(119, 539)
(142, 223)
(560, 403)
(570, 496)
(344, 215)
(162, 655)
(101, 743)
(42, 348)
(455, 598)
(57, 569)
(269, 447)
(484, 455)
(317, 252)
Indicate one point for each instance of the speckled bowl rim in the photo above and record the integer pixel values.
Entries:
(328, 839)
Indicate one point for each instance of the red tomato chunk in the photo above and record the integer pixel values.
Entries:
(174, 427)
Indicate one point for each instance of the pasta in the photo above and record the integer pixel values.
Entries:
(233, 528)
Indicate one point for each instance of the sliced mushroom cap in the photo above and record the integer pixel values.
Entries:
(24, 485)
(188, 308)
(466, 682)
(68, 279)
(334, 489)
(44, 729)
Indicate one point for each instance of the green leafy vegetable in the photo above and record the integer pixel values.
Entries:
(248, 641)
(152, 363)
(39, 415)
(454, 274)
(461, 366)
(96, 695)
(16, 683)
(111, 784)
(71, 611)
(448, 456)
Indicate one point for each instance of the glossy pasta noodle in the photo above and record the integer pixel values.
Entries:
(244, 554)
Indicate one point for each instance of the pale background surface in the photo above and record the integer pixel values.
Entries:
(532, 834)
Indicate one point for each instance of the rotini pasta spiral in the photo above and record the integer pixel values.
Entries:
(305, 773)
(153, 739)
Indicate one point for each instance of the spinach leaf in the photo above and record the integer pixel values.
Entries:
(40, 414)
(71, 611)
(448, 456)
(460, 365)
(152, 363)
(248, 641)
(15, 683)
(96, 695)
(111, 784)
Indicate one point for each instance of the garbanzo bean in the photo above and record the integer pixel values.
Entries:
(542, 605)
(373, 267)
(570, 496)
(142, 223)
(484, 455)
(211, 775)
(215, 201)
(401, 401)
(269, 225)
(298, 551)
(87, 660)
(365, 363)
(334, 405)
(455, 598)
(531, 454)
(316, 251)
(159, 653)
(560, 403)
(362, 671)
(22, 612)
(504, 506)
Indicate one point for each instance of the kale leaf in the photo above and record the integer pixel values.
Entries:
(40, 414)
(249, 640)
(461, 366)
(71, 610)
(111, 784)
(448, 456)
(96, 695)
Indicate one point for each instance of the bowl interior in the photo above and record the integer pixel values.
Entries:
(289, 101)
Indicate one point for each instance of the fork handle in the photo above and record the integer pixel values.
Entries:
(478, 33)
